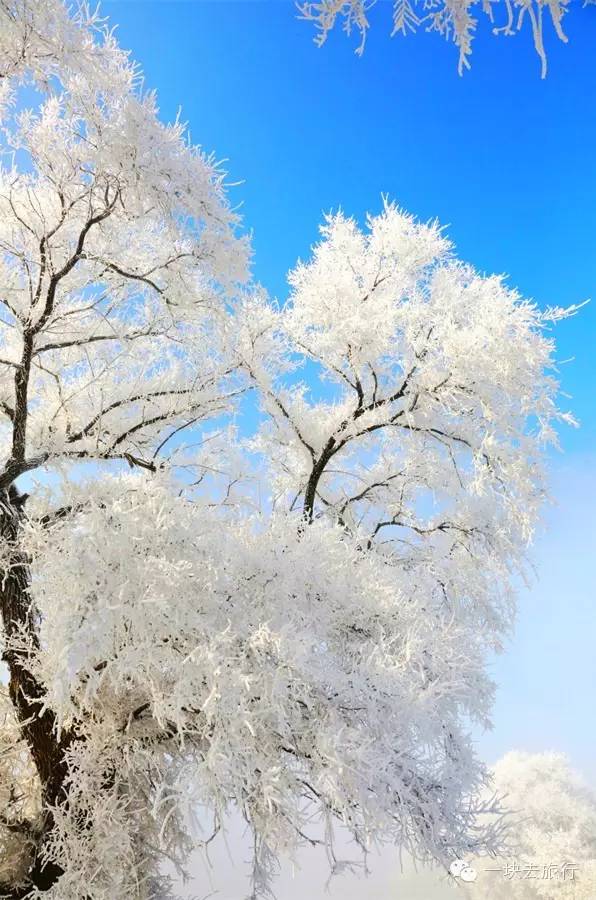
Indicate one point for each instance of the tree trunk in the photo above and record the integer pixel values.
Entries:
(19, 619)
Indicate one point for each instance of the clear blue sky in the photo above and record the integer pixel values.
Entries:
(506, 160)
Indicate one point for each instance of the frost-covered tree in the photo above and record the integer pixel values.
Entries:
(415, 440)
(552, 832)
(117, 250)
(455, 20)
(290, 623)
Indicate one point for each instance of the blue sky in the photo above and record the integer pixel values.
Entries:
(505, 159)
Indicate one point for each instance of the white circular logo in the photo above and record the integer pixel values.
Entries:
(468, 873)
(461, 869)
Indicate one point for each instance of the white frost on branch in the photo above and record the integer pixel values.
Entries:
(455, 20)
(239, 666)
(117, 253)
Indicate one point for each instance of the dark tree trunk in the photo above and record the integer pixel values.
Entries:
(26, 694)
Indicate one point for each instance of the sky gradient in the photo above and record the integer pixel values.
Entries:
(502, 158)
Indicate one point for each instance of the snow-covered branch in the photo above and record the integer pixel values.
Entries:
(455, 20)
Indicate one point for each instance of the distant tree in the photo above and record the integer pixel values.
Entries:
(292, 623)
(454, 19)
(552, 830)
